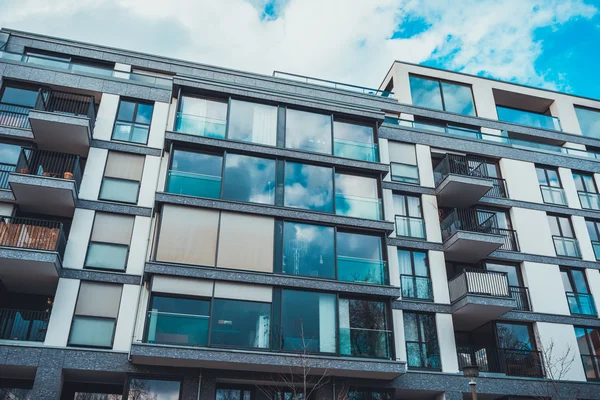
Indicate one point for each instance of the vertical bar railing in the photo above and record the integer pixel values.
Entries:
(5, 171)
(67, 103)
(479, 282)
(469, 220)
(521, 296)
(50, 164)
(510, 239)
(516, 362)
(499, 189)
(27, 233)
(23, 325)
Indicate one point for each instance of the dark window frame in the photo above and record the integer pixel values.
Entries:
(530, 332)
(90, 241)
(578, 175)
(412, 252)
(422, 218)
(112, 339)
(137, 196)
(449, 82)
(137, 102)
(428, 343)
(569, 272)
(545, 169)
(151, 377)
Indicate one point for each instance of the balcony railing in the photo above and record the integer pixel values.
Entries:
(566, 247)
(479, 282)
(357, 206)
(589, 201)
(65, 103)
(528, 118)
(23, 325)
(410, 227)
(510, 239)
(14, 116)
(581, 304)
(591, 365)
(553, 195)
(200, 126)
(355, 150)
(416, 287)
(502, 139)
(499, 189)
(527, 363)
(521, 296)
(50, 164)
(5, 171)
(192, 184)
(406, 173)
(176, 329)
(27, 233)
(332, 84)
(353, 269)
(460, 165)
(371, 343)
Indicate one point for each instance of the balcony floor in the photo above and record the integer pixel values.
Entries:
(44, 195)
(471, 247)
(461, 190)
(472, 311)
(29, 271)
(58, 132)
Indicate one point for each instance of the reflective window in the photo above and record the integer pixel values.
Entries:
(133, 122)
(409, 218)
(9, 154)
(120, 190)
(588, 341)
(414, 275)
(308, 131)
(107, 256)
(363, 329)
(365, 395)
(195, 174)
(360, 258)
(354, 141)
(153, 389)
(357, 196)
(309, 187)
(308, 250)
(584, 182)
(422, 347)
(514, 336)
(233, 393)
(92, 331)
(249, 179)
(442, 95)
(178, 321)
(19, 97)
(252, 122)
(201, 117)
(548, 176)
(308, 321)
(589, 121)
(240, 323)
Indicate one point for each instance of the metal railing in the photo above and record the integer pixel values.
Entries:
(553, 195)
(581, 304)
(589, 201)
(23, 325)
(478, 282)
(527, 363)
(5, 171)
(499, 189)
(50, 164)
(591, 365)
(510, 240)
(416, 287)
(67, 103)
(460, 165)
(521, 296)
(332, 84)
(410, 227)
(27, 233)
(566, 247)
(502, 139)
(14, 116)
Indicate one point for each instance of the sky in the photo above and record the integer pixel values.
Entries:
(553, 44)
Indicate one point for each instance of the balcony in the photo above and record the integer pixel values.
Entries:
(528, 118)
(521, 296)
(461, 181)
(526, 363)
(353, 269)
(416, 287)
(589, 201)
(46, 182)
(581, 304)
(471, 235)
(566, 247)
(479, 296)
(367, 343)
(553, 195)
(23, 325)
(333, 84)
(30, 254)
(591, 365)
(63, 121)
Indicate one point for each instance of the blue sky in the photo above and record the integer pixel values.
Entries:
(543, 43)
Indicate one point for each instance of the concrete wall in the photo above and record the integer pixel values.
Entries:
(158, 125)
(93, 173)
(140, 240)
(63, 308)
(149, 181)
(445, 333)
(126, 317)
(557, 342)
(105, 119)
(79, 237)
(533, 231)
(431, 217)
(439, 279)
(399, 342)
(425, 165)
(521, 180)
(568, 184)
(583, 237)
(546, 290)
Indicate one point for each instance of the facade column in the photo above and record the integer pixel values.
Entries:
(48, 382)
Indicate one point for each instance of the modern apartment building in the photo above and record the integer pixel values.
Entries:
(172, 230)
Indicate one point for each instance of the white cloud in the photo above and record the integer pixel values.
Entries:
(343, 40)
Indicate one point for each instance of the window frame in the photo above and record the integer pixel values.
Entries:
(439, 82)
(112, 339)
(151, 377)
(413, 274)
(422, 218)
(530, 332)
(135, 113)
(240, 387)
(568, 218)
(545, 169)
(90, 242)
(137, 195)
(578, 175)
(569, 273)
(418, 315)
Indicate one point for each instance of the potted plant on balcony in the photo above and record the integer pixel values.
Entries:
(24, 171)
(68, 175)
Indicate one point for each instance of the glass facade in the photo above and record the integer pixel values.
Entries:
(422, 347)
(92, 331)
(587, 190)
(357, 196)
(550, 186)
(588, 341)
(308, 250)
(563, 236)
(589, 121)
(195, 174)
(178, 321)
(354, 141)
(308, 187)
(107, 256)
(121, 190)
(442, 95)
(363, 329)
(252, 122)
(593, 228)
(153, 389)
(308, 131)
(240, 323)
(415, 280)
(409, 218)
(201, 117)
(133, 122)
(249, 179)
(360, 258)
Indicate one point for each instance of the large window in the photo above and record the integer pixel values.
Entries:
(109, 243)
(587, 190)
(420, 334)
(153, 389)
(552, 192)
(442, 95)
(94, 320)
(240, 323)
(308, 250)
(249, 179)
(363, 329)
(360, 258)
(122, 176)
(309, 187)
(409, 217)
(593, 228)
(195, 174)
(415, 279)
(252, 122)
(201, 117)
(308, 131)
(512, 336)
(133, 121)
(15, 103)
(234, 392)
(403, 162)
(308, 321)
(588, 341)
(178, 321)
(589, 121)
(354, 141)
(578, 294)
(357, 196)
(565, 243)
